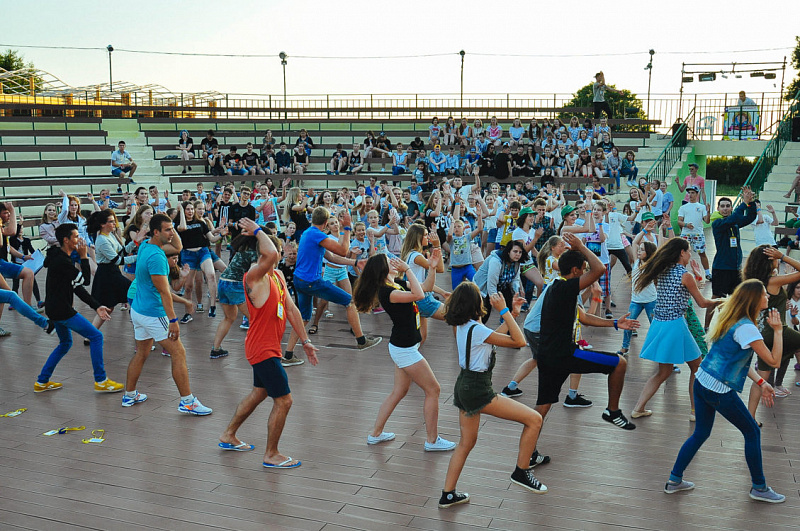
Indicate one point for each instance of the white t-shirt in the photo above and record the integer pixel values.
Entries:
(159, 205)
(762, 232)
(656, 208)
(420, 272)
(464, 192)
(614, 236)
(693, 213)
(481, 353)
(648, 294)
(525, 238)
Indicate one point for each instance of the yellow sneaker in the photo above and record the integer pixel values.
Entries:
(49, 386)
(108, 386)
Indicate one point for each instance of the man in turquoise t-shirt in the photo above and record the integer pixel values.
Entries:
(154, 318)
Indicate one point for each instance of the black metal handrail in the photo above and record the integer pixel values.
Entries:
(672, 151)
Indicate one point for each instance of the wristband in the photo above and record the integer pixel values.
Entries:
(760, 382)
(306, 342)
(341, 233)
(597, 299)
(256, 231)
(670, 228)
(173, 320)
(615, 325)
(503, 312)
(348, 228)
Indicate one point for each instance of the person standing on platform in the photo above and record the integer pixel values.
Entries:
(725, 225)
(269, 306)
(154, 317)
(599, 102)
(721, 377)
(63, 279)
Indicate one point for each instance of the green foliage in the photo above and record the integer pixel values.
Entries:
(794, 86)
(11, 60)
(731, 171)
(624, 104)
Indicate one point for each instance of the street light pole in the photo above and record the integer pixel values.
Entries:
(649, 68)
(462, 53)
(110, 78)
(282, 55)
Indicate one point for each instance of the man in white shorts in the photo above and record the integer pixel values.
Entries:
(690, 219)
(154, 318)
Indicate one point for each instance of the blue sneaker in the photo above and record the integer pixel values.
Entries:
(194, 408)
(245, 324)
(768, 495)
(138, 398)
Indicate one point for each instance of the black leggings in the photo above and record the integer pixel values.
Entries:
(600, 106)
(622, 256)
(508, 295)
(15, 287)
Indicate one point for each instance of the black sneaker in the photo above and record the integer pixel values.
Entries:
(187, 318)
(539, 459)
(212, 311)
(449, 499)
(609, 315)
(50, 327)
(525, 478)
(618, 419)
(578, 401)
(217, 353)
(511, 393)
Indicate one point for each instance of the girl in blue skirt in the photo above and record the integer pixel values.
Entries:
(669, 340)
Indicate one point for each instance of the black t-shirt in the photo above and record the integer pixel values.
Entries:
(195, 235)
(189, 142)
(238, 212)
(384, 143)
(416, 146)
(250, 158)
(300, 158)
(405, 317)
(222, 211)
(283, 159)
(520, 160)
(355, 159)
(232, 159)
(501, 161)
(207, 144)
(558, 321)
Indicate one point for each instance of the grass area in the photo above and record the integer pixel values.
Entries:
(730, 190)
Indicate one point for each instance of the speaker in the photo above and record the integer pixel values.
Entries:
(796, 129)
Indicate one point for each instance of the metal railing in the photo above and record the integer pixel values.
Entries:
(213, 106)
(672, 151)
(769, 157)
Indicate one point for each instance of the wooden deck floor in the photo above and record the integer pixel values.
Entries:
(162, 470)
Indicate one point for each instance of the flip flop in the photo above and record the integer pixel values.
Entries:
(242, 447)
(313, 329)
(285, 464)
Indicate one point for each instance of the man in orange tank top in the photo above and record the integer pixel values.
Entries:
(269, 307)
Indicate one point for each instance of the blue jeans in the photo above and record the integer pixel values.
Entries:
(83, 327)
(614, 174)
(306, 291)
(630, 173)
(9, 297)
(730, 406)
(636, 310)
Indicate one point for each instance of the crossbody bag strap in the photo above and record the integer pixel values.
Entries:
(469, 343)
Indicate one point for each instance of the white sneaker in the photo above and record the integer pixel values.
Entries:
(441, 445)
(194, 408)
(383, 437)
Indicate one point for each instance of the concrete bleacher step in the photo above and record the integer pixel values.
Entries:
(149, 170)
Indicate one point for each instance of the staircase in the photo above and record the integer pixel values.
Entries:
(148, 169)
(778, 182)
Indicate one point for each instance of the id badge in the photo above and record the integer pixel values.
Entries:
(733, 241)
(418, 323)
(280, 310)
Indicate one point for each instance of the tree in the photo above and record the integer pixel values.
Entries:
(729, 170)
(626, 104)
(12, 60)
(794, 86)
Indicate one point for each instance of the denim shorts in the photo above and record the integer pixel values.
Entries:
(10, 270)
(230, 292)
(195, 258)
(428, 306)
(306, 291)
(334, 274)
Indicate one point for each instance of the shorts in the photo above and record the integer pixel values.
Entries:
(533, 341)
(405, 356)
(791, 344)
(724, 281)
(237, 171)
(605, 282)
(460, 273)
(230, 292)
(10, 270)
(214, 257)
(270, 375)
(116, 172)
(492, 236)
(194, 259)
(334, 274)
(129, 268)
(428, 306)
(146, 327)
(306, 291)
(697, 241)
(473, 391)
(552, 376)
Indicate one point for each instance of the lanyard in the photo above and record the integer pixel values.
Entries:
(97, 437)
(63, 430)
(14, 413)
(277, 280)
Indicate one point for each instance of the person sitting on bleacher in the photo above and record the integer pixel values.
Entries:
(519, 162)
(471, 162)
(283, 160)
(305, 140)
(267, 142)
(355, 162)
(105, 200)
(384, 144)
(416, 145)
(436, 161)
(338, 161)
(208, 142)
(482, 144)
(606, 144)
(233, 163)
(185, 148)
(250, 161)
(451, 162)
(122, 164)
(300, 158)
(503, 162)
(216, 163)
(267, 160)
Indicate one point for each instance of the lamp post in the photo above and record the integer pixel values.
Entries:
(462, 53)
(282, 55)
(110, 78)
(649, 69)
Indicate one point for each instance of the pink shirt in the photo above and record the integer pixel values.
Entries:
(697, 181)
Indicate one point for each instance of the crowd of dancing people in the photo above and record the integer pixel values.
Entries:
(523, 252)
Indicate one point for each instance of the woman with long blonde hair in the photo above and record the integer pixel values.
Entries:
(734, 337)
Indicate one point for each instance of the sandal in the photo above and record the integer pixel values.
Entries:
(313, 329)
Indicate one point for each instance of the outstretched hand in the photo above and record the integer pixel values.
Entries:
(627, 324)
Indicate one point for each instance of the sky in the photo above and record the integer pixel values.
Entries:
(612, 36)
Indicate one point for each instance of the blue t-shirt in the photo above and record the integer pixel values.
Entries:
(309, 255)
(150, 260)
(666, 201)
